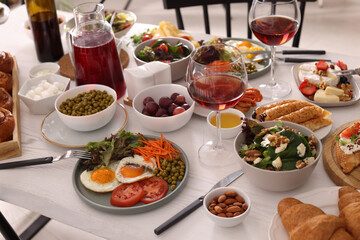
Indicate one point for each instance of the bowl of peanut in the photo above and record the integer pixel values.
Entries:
(227, 206)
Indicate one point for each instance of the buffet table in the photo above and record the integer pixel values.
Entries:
(48, 189)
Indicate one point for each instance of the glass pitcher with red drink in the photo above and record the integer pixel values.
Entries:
(93, 49)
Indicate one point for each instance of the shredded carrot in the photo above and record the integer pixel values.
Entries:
(156, 149)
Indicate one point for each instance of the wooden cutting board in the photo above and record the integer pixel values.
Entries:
(332, 168)
(67, 69)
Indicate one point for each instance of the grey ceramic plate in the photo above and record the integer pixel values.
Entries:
(56, 132)
(265, 63)
(101, 201)
(356, 91)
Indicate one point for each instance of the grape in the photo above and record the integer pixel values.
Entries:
(173, 96)
(165, 102)
(178, 110)
(151, 108)
(185, 106)
(148, 99)
(145, 112)
(160, 112)
(179, 100)
(171, 108)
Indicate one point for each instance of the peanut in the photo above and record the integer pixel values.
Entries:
(229, 204)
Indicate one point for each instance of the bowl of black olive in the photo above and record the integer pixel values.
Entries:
(171, 50)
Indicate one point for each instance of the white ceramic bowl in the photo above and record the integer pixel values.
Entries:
(89, 122)
(178, 68)
(45, 105)
(278, 180)
(226, 132)
(61, 19)
(44, 69)
(226, 221)
(163, 124)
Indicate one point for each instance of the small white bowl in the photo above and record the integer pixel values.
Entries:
(61, 20)
(178, 68)
(226, 132)
(89, 122)
(278, 180)
(226, 221)
(45, 105)
(163, 124)
(44, 69)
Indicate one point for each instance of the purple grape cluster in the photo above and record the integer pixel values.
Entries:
(168, 106)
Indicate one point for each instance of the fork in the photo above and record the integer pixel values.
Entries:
(37, 161)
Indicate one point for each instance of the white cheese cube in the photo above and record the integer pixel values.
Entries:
(59, 86)
(46, 93)
(309, 160)
(320, 96)
(37, 97)
(38, 90)
(45, 84)
(30, 94)
(334, 91)
(330, 80)
(281, 148)
(301, 149)
(257, 160)
(277, 163)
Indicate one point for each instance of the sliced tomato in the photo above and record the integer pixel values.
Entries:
(164, 47)
(147, 36)
(322, 65)
(306, 88)
(155, 188)
(127, 194)
(354, 129)
(180, 50)
(342, 65)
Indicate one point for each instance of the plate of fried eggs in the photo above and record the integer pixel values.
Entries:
(95, 187)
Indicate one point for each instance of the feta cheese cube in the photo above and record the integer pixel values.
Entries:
(301, 149)
(277, 163)
(281, 148)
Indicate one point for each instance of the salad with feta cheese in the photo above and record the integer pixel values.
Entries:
(278, 148)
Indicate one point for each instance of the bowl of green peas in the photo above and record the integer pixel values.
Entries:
(87, 107)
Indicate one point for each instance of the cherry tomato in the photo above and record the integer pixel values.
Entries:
(306, 88)
(354, 129)
(180, 50)
(127, 194)
(163, 47)
(342, 65)
(147, 36)
(155, 188)
(186, 37)
(322, 65)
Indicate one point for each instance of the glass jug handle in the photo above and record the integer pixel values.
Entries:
(69, 40)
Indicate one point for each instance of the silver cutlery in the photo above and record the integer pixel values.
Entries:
(289, 52)
(349, 72)
(196, 204)
(37, 161)
(261, 55)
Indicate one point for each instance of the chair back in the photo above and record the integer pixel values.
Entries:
(177, 5)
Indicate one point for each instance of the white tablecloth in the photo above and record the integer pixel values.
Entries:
(48, 190)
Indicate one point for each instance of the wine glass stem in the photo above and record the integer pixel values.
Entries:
(219, 144)
(273, 58)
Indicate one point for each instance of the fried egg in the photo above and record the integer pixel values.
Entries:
(100, 180)
(133, 169)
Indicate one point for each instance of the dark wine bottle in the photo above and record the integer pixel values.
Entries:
(45, 27)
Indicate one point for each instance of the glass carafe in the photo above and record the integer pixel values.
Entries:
(93, 49)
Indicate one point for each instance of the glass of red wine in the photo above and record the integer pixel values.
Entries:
(274, 22)
(216, 79)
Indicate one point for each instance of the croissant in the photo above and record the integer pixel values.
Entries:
(305, 221)
(6, 100)
(349, 206)
(7, 124)
(6, 62)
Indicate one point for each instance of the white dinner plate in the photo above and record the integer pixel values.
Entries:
(324, 198)
(56, 132)
(6, 13)
(356, 92)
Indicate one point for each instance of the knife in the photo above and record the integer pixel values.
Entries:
(196, 204)
(288, 52)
